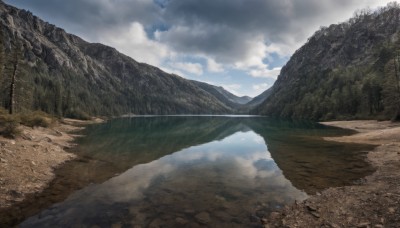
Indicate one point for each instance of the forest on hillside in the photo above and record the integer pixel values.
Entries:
(345, 71)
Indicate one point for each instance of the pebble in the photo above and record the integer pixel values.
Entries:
(116, 225)
(203, 217)
(181, 221)
(315, 214)
(156, 223)
(311, 208)
(364, 224)
(3, 160)
(264, 221)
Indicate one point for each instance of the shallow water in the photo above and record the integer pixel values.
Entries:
(200, 171)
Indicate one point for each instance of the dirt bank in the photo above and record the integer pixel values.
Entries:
(375, 202)
(27, 162)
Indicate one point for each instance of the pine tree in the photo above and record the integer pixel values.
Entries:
(391, 89)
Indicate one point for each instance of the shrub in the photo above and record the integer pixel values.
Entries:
(36, 119)
(77, 114)
(9, 125)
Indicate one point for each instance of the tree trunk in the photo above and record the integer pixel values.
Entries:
(12, 89)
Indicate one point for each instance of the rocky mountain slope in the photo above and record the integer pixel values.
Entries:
(62, 74)
(260, 98)
(344, 71)
(226, 97)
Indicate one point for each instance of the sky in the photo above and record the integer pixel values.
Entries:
(238, 44)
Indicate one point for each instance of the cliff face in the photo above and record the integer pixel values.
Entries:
(63, 74)
(343, 71)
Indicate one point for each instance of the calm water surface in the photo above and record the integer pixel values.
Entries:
(200, 171)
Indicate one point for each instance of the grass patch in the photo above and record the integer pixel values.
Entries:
(8, 124)
(36, 119)
(77, 114)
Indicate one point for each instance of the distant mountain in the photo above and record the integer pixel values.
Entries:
(232, 97)
(62, 74)
(223, 95)
(344, 71)
(260, 98)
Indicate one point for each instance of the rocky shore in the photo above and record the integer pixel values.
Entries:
(374, 202)
(27, 163)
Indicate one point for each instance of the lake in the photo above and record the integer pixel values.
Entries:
(194, 171)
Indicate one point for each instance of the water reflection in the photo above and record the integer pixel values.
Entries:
(198, 171)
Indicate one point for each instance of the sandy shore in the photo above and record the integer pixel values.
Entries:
(27, 163)
(375, 202)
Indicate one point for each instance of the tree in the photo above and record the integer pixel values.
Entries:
(391, 89)
(2, 60)
(13, 82)
(12, 85)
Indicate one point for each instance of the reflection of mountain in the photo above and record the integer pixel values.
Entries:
(308, 161)
(128, 142)
(234, 174)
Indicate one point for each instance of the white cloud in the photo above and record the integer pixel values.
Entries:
(262, 86)
(259, 88)
(233, 88)
(193, 68)
(255, 53)
(265, 72)
(213, 66)
(173, 71)
(133, 41)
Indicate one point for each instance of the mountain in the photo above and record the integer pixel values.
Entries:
(344, 71)
(232, 97)
(62, 74)
(260, 98)
(226, 97)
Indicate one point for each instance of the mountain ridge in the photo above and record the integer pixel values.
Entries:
(71, 77)
(344, 71)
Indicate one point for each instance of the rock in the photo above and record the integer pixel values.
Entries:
(264, 221)
(2, 160)
(311, 208)
(156, 223)
(379, 226)
(28, 137)
(333, 225)
(181, 221)
(33, 163)
(47, 139)
(12, 142)
(364, 224)
(315, 214)
(189, 211)
(15, 193)
(392, 210)
(203, 217)
(274, 215)
(116, 225)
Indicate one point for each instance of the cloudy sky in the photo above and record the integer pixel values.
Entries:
(238, 44)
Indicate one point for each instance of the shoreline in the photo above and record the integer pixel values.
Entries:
(28, 162)
(374, 202)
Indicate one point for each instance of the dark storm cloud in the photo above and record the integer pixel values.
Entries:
(88, 17)
(222, 29)
(225, 26)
